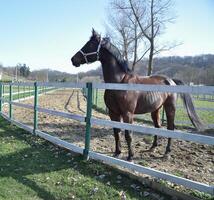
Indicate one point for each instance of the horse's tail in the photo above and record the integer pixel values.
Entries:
(188, 104)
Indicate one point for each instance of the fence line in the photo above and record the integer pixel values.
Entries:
(62, 85)
(62, 114)
(46, 136)
(92, 121)
(198, 108)
(95, 103)
(154, 131)
(152, 172)
(19, 83)
(24, 92)
(156, 88)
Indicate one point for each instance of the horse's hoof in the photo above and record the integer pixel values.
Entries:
(152, 149)
(116, 155)
(130, 159)
(167, 156)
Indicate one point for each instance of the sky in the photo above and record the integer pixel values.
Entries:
(47, 33)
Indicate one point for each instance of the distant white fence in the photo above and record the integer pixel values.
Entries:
(141, 129)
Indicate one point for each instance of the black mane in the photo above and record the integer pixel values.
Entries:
(116, 53)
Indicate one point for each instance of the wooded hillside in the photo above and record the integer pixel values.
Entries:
(196, 69)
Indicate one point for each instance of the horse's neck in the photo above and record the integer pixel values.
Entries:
(112, 72)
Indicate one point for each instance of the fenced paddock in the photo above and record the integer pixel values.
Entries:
(89, 121)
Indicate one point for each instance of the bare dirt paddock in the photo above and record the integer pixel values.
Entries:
(189, 160)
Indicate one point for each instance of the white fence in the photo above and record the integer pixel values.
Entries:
(141, 129)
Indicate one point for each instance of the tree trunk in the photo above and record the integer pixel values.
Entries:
(150, 67)
(151, 53)
(135, 49)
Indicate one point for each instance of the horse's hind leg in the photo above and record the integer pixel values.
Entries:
(128, 118)
(170, 115)
(156, 120)
(115, 117)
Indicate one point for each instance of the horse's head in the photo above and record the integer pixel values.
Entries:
(89, 52)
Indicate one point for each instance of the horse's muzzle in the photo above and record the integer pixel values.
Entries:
(75, 62)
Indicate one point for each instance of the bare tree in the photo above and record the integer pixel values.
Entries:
(148, 20)
(123, 28)
(157, 15)
(119, 30)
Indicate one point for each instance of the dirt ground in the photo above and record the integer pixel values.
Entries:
(188, 159)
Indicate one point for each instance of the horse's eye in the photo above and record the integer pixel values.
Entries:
(93, 44)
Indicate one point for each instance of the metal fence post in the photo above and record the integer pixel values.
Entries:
(35, 123)
(3, 90)
(92, 96)
(29, 93)
(0, 97)
(10, 101)
(88, 119)
(18, 92)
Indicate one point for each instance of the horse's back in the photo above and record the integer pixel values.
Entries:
(138, 102)
(153, 79)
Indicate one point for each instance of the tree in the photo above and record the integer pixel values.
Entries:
(24, 70)
(150, 18)
(125, 33)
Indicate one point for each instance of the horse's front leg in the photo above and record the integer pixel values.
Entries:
(117, 142)
(128, 136)
(128, 118)
(116, 117)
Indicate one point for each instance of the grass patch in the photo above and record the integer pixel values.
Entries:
(202, 195)
(31, 168)
(148, 139)
(23, 93)
(143, 163)
(178, 173)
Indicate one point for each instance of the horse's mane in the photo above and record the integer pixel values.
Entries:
(114, 51)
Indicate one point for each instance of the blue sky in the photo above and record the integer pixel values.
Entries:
(46, 33)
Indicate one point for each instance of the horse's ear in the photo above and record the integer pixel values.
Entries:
(94, 33)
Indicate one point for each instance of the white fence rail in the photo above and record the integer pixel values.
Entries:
(157, 88)
(156, 131)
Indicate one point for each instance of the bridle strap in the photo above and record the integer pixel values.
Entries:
(92, 53)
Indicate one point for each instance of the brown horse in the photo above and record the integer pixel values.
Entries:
(123, 105)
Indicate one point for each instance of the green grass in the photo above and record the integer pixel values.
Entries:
(31, 168)
(206, 116)
(16, 88)
(98, 101)
(24, 92)
(179, 173)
